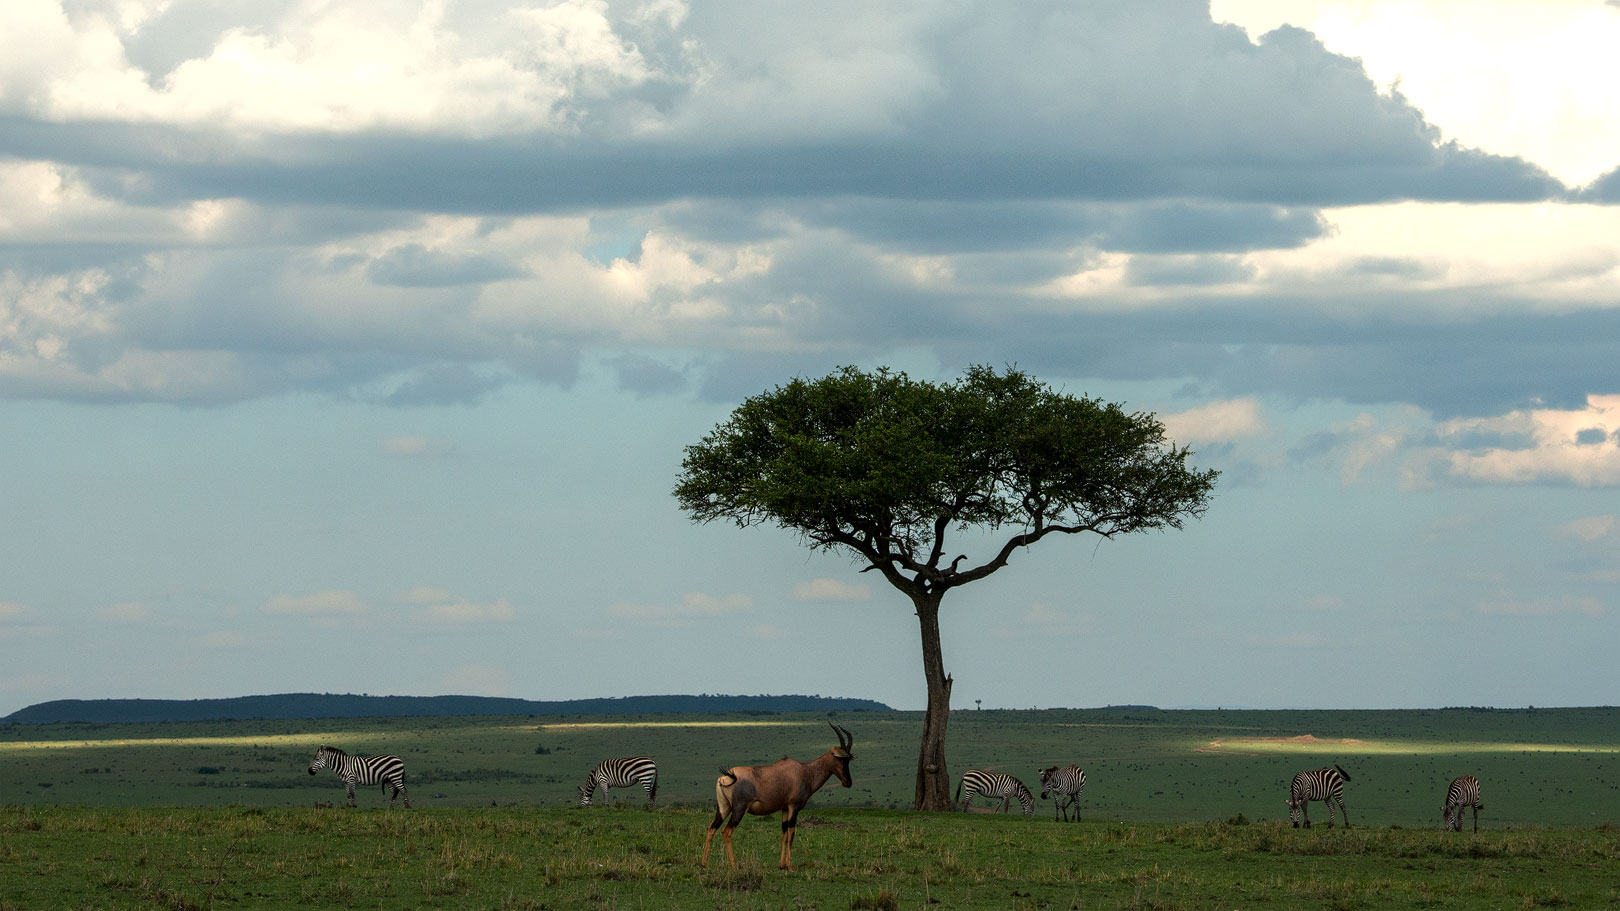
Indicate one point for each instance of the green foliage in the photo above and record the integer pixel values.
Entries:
(885, 465)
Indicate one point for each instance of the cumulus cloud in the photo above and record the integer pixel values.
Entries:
(405, 204)
(1216, 422)
(439, 606)
(328, 603)
(693, 608)
(1589, 528)
(296, 67)
(1556, 451)
(825, 589)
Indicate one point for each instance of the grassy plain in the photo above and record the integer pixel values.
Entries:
(1538, 766)
(1184, 810)
(523, 858)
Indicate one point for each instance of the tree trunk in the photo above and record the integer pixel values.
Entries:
(933, 778)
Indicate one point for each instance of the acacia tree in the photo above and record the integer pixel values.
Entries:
(887, 468)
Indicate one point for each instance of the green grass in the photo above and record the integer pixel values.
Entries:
(523, 858)
(1183, 810)
(1555, 767)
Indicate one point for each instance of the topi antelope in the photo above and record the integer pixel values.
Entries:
(785, 785)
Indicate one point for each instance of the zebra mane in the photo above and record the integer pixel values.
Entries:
(333, 750)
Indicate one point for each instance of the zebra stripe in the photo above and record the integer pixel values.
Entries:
(621, 773)
(389, 771)
(1463, 792)
(1065, 786)
(1326, 785)
(994, 784)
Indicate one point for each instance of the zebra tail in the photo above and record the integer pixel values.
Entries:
(958, 798)
(1342, 773)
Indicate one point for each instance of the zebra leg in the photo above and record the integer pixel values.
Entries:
(1343, 811)
(349, 786)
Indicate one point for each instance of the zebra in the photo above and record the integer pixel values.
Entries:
(1326, 785)
(621, 773)
(1463, 792)
(385, 770)
(1065, 786)
(994, 784)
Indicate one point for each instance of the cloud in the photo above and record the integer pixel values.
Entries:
(413, 265)
(124, 612)
(1216, 422)
(1508, 606)
(17, 622)
(411, 447)
(299, 68)
(825, 589)
(429, 227)
(1290, 640)
(329, 603)
(1053, 622)
(1589, 528)
(440, 606)
(1324, 603)
(467, 612)
(1557, 453)
(693, 608)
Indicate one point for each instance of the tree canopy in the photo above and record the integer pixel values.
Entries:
(886, 467)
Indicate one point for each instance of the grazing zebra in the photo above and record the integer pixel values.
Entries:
(385, 770)
(1464, 792)
(994, 784)
(621, 773)
(1326, 785)
(1064, 785)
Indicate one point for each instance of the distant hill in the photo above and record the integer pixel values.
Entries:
(331, 705)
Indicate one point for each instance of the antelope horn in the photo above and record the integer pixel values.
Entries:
(845, 738)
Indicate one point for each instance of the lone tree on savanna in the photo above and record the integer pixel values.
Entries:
(887, 468)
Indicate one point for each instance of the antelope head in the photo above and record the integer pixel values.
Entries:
(846, 742)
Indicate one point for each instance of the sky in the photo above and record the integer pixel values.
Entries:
(353, 347)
